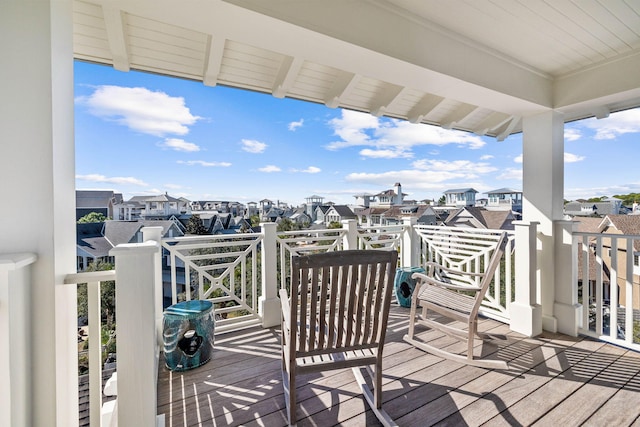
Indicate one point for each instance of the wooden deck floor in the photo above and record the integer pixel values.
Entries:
(554, 380)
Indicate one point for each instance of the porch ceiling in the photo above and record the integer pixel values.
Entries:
(474, 65)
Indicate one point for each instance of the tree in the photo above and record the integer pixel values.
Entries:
(107, 295)
(255, 220)
(194, 225)
(92, 217)
(286, 225)
(442, 200)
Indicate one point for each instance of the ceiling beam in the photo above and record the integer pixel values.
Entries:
(287, 74)
(515, 122)
(386, 98)
(458, 115)
(427, 104)
(215, 52)
(491, 123)
(342, 87)
(117, 37)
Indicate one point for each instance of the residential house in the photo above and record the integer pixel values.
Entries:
(338, 213)
(473, 217)
(505, 199)
(161, 206)
(312, 203)
(424, 214)
(460, 197)
(609, 206)
(95, 240)
(300, 216)
(628, 225)
(99, 201)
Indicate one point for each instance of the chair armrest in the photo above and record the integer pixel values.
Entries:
(286, 309)
(428, 280)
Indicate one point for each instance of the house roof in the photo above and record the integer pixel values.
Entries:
(89, 239)
(460, 190)
(118, 232)
(344, 211)
(626, 224)
(487, 65)
(504, 191)
(158, 198)
(94, 198)
(497, 220)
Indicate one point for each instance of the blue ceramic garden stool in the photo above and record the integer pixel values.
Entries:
(404, 285)
(188, 329)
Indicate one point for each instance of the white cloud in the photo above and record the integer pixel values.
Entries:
(310, 169)
(295, 125)
(269, 169)
(572, 158)
(179, 145)
(203, 163)
(464, 167)
(616, 124)
(518, 159)
(253, 146)
(385, 154)
(362, 129)
(486, 157)
(140, 109)
(511, 174)
(431, 175)
(112, 180)
(572, 134)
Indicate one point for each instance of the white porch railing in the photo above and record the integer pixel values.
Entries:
(607, 282)
(501, 292)
(94, 280)
(223, 269)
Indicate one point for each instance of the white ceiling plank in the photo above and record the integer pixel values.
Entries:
(341, 88)
(213, 62)
(116, 33)
(287, 74)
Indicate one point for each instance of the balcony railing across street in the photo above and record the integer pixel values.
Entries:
(240, 274)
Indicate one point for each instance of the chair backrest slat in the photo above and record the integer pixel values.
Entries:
(340, 300)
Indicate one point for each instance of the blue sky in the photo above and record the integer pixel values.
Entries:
(143, 134)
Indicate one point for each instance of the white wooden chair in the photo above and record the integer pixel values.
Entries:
(336, 317)
(455, 287)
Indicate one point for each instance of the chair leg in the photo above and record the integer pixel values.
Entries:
(377, 385)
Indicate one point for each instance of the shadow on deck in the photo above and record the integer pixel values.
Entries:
(554, 380)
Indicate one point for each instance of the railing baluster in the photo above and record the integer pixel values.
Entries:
(95, 353)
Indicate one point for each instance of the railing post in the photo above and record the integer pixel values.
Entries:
(410, 250)
(525, 311)
(350, 239)
(155, 234)
(269, 303)
(136, 333)
(15, 339)
(566, 308)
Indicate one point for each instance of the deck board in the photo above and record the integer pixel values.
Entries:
(554, 380)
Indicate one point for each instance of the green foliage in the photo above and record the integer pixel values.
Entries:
(255, 220)
(194, 226)
(442, 200)
(334, 224)
(92, 217)
(628, 199)
(286, 225)
(107, 295)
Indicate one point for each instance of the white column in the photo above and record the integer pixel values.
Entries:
(154, 234)
(138, 348)
(526, 312)
(37, 171)
(566, 308)
(543, 191)
(350, 240)
(15, 342)
(410, 250)
(269, 303)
